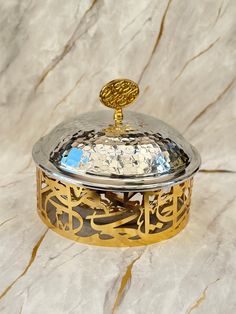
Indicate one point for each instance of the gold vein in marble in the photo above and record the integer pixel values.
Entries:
(63, 100)
(219, 13)
(201, 298)
(32, 258)
(68, 93)
(200, 114)
(9, 184)
(67, 48)
(195, 57)
(216, 171)
(27, 166)
(6, 221)
(158, 39)
(124, 281)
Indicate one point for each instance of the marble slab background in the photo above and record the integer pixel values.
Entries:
(54, 58)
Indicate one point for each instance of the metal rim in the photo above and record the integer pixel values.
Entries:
(115, 184)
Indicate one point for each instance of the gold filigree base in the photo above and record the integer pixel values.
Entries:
(110, 218)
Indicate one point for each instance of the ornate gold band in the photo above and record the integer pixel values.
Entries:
(110, 218)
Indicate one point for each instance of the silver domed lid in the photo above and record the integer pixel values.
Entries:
(138, 152)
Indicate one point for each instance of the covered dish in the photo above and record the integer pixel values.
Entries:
(121, 182)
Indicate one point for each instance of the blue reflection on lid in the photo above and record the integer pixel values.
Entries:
(74, 158)
(162, 164)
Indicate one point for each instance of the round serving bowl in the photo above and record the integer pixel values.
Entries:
(121, 183)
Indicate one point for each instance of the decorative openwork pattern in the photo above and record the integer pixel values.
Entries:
(111, 218)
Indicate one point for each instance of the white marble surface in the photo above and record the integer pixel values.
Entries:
(55, 56)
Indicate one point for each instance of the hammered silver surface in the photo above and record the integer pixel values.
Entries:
(85, 148)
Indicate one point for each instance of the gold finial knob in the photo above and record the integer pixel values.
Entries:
(118, 94)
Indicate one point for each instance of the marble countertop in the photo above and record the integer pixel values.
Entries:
(55, 56)
(194, 272)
